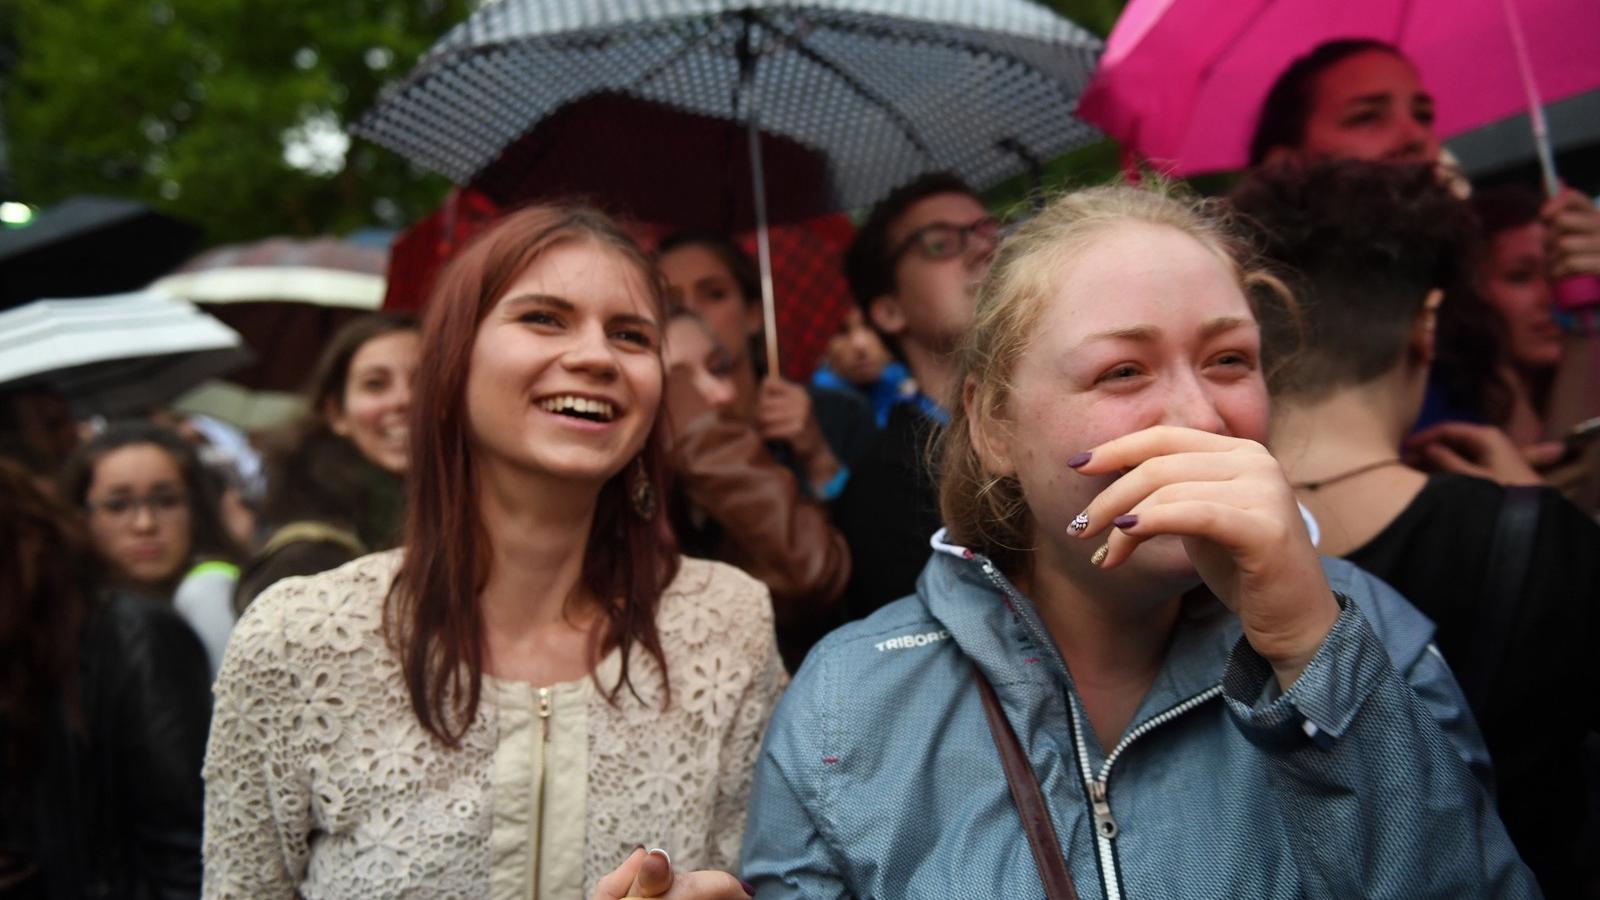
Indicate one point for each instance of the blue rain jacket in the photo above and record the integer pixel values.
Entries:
(1367, 778)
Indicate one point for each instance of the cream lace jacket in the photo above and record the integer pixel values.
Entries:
(320, 782)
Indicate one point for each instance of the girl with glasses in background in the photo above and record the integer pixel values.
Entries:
(155, 519)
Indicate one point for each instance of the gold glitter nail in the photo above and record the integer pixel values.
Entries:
(1099, 556)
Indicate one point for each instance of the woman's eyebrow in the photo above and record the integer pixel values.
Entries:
(1148, 333)
(1224, 324)
(549, 300)
(1380, 98)
(635, 319)
(1139, 333)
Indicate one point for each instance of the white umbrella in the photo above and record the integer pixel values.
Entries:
(285, 296)
(117, 354)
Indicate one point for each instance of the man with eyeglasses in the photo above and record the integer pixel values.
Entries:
(914, 268)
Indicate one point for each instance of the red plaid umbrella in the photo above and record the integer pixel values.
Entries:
(807, 259)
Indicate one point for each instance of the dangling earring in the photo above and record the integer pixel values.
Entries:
(641, 491)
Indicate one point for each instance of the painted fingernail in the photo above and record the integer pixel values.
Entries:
(1079, 459)
(657, 851)
(1127, 521)
(749, 889)
(1099, 556)
(1079, 524)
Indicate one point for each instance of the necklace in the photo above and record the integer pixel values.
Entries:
(1324, 482)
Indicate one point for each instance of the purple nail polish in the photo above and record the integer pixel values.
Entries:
(749, 889)
(1078, 459)
(1127, 521)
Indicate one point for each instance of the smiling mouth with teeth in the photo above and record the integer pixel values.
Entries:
(579, 408)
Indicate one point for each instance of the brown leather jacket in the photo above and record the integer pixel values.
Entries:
(764, 525)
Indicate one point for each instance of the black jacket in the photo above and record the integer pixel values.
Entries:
(116, 810)
(888, 512)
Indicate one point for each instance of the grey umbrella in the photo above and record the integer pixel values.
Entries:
(886, 90)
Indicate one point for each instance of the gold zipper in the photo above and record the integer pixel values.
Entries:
(544, 742)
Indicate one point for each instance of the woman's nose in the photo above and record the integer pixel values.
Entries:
(590, 352)
(719, 392)
(1190, 405)
(144, 517)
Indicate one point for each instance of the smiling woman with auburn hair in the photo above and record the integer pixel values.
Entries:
(395, 724)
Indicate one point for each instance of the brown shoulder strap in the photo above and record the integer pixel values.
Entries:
(1025, 793)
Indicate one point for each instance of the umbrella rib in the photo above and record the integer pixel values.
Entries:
(684, 49)
(855, 84)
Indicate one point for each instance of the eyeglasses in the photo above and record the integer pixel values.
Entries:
(122, 508)
(943, 240)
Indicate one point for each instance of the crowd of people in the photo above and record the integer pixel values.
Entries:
(1147, 545)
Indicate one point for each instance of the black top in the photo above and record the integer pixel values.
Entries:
(115, 810)
(888, 512)
(1547, 693)
(845, 420)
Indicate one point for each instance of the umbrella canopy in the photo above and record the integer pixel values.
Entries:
(89, 246)
(285, 296)
(882, 90)
(696, 176)
(115, 355)
(1182, 80)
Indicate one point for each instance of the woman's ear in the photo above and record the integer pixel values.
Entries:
(989, 438)
(1425, 328)
(886, 315)
(337, 421)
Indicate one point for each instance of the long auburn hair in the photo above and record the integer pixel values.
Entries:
(432, 615)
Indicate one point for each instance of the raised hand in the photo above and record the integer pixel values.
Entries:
(1573, 236)
(1482, 451)
(1229, 501)
(647, 874)
(783, 413)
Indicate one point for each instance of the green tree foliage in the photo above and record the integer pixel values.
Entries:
(1096, 15)
(229, 112)
(226, 112)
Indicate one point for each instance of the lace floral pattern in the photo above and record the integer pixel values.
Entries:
(320, 782)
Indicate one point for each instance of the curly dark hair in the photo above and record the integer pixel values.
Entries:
(1362, 244)
(1506, 207)
(867, 266)
(1282, 122)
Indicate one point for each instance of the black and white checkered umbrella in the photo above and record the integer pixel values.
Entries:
(884, 90)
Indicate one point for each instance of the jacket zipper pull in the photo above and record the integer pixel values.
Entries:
(544, 712)
(1104, 825)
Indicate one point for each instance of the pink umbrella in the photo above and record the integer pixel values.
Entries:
(1181, 80)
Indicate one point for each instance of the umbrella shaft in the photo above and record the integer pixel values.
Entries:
(1536, 119)
(769, 307)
